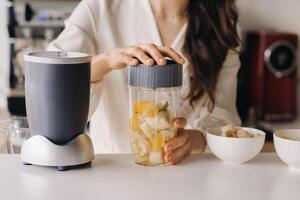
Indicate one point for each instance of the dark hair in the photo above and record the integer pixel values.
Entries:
(211, 32)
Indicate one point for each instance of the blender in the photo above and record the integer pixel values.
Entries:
(57, 92)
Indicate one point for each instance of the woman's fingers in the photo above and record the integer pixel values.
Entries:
(179, 153)
(168, 51)
(128, 60)
(179, 122)
(149, 54)
(176, 142)
(140, 54)
(153, 51)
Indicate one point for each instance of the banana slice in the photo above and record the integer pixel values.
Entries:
(147, 130)
(155, 158)
(168, 134)
(135, 147)
(143, 146)
(158, 123)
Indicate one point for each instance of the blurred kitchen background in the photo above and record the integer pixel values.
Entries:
(268, 79)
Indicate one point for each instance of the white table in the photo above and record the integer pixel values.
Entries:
(116, 177)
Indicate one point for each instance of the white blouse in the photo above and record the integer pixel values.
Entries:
(98, 26)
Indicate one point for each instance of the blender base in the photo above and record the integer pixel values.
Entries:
(38, 150)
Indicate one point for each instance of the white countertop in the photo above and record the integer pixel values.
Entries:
(116, 177)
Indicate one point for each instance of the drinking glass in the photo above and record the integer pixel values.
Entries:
(13, 132)
(16, 138)
(3, 141)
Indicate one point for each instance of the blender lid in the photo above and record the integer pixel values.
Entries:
(57, 57)
(156, 76)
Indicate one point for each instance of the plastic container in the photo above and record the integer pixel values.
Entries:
(154, 103)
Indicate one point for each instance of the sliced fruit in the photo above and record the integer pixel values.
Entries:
(151, 128)
(146, 107)
(140, 147)
(134, 147)
(138, 135)
(158, 142)
(140, 143)
(162, 106)
(166, 115)
(141, 159)
(168, 134)
(143, 147)
(147, 130)
(158, 123)
(151, 112)
(135, 123)
(156, 158)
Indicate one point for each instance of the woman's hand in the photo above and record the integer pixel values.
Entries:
(148, 54)
(184, 142)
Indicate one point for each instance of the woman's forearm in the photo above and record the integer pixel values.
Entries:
(99, 67)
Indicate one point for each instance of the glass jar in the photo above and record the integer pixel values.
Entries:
(13, 132)
(154, 103)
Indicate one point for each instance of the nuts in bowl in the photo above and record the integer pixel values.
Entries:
(235, 145)
(231, 131)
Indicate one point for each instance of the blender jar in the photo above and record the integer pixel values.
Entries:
(154, 103)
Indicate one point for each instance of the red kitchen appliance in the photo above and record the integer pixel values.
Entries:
(271, 74)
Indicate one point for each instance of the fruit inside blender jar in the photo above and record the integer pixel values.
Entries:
(151, 128)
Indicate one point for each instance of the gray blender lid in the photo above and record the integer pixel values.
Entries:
(57, 57)
(156, 76)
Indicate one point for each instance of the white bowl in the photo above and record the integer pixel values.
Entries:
(235, 150)
(288, 150)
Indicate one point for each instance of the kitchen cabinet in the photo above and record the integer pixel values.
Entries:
(117, 177)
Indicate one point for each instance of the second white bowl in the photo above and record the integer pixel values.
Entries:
(287, 146)
(235, 150)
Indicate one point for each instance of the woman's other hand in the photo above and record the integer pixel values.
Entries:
(148, 54)
(184, 143)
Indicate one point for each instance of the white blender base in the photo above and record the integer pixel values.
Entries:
(38, 150)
